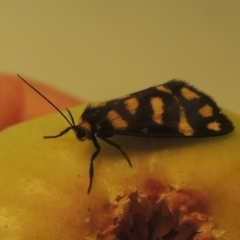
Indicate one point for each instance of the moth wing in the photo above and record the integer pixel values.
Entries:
(173, 109)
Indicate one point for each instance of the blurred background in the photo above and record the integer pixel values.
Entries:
(99, 50)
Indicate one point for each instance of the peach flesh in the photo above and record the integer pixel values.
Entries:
(43, 184)
(156, 211)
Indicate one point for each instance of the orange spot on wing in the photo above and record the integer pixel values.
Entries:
(183, 125)
(189, 94)
(215, 126)
(206, 111)
(157, 107)
(163, 89)
(132, 105)
(117, 122)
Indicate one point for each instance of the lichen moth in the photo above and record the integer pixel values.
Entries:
(170, 110)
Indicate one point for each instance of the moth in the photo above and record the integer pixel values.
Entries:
(170, 110)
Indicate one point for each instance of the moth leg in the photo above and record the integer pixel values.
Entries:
(91, 167)
(116, 146)
(60, 134)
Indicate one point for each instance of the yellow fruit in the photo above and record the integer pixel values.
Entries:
(177, 188)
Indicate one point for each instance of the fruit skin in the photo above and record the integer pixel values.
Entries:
(43, 182)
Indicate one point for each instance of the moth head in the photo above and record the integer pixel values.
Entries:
(83, 130)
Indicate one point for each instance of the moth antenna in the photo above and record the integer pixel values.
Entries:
(71, 116)
(71, 124)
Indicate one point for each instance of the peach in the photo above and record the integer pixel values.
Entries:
(176, 189)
